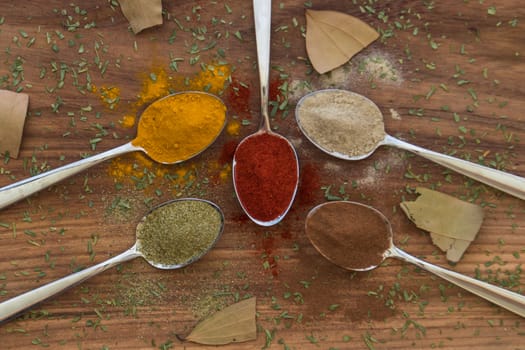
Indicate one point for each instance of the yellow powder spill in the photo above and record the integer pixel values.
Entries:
(225, 172)
(211, 79)
(233, 127)
(139, 168)
(128, 121)
(221, 173)
(154, 86)
(110, 96)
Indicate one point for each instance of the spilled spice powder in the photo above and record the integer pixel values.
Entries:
(138, 168)
(309, 185)
(265, 175)
(233, 127)
(228, 150)
(128, 121)
(211, 79)
(155, 85)
(238, 98)
(274, 90)
(110, 96)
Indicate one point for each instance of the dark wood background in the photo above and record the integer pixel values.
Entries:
(448, 76)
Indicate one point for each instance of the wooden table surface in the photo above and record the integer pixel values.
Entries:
(448, 76)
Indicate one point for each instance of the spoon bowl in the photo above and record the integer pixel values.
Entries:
(358, 237)
(269, 186)
(18, 304)
(284, 160)
(150, 119)
(353, 129)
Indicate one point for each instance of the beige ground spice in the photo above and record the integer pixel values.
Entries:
(341, 122)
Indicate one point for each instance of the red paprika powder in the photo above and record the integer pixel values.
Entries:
(266, 174)
(238, 98)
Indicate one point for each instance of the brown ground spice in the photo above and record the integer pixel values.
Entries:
(349, 234)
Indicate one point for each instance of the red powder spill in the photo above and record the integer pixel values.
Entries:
(274, 92)
(238, 98)
(286, 235)
(228, 150)
(309, 185)
(268, 245)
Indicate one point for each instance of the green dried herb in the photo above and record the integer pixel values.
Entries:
(179, 231)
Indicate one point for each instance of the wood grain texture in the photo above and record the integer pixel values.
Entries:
(451, 70)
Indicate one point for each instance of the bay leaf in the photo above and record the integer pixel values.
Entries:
(440, 213)
(233, 324)
(13, 112)
(332, 38)
(452, 223)
(142, 14)
(453, 247)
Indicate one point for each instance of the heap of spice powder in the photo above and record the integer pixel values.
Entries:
(180, 126)
(351, 235)
(179, 232)
(341, 122)
(265, 175)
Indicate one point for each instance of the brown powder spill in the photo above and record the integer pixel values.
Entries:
(345, 294)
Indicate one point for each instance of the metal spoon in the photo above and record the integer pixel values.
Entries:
(355, 219)
(16, 305)
(509, 183)
(24, 188)
(262, 15)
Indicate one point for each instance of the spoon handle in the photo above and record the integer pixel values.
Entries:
(509, 183)
(509, 300)
(262, 13)
(16, 305)
(19, 190)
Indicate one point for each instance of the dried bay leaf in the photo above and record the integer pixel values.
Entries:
(13, 112)
(235, 323)
(452, 223)
(142, 14)
(332, 38)
(457, 248)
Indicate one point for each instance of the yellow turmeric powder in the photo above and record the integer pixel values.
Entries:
(110, 96)
(211, 79)
(154, 86)
(128, 121)
(139, 168)
(180, 126)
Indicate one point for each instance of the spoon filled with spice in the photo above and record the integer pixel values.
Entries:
(350, 126)
(358, 237)
(265, 167)
(171, 236)
(172, 129)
